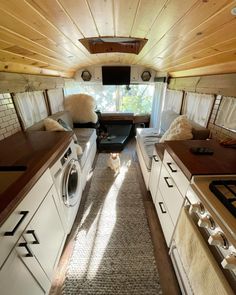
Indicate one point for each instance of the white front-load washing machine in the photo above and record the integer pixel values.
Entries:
(66, 174)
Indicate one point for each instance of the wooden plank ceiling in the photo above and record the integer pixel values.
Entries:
(185, 37)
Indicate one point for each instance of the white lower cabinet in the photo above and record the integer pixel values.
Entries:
(29, 267)
(45, 234)
(21, 274)
(169, 197)
(13, 227)
(164, 217)
(154, 176)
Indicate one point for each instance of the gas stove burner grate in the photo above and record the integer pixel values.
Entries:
(225, 191)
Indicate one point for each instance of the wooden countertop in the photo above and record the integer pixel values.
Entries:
(223, 161)
(125, 117)
(35, 151)
(160, 149)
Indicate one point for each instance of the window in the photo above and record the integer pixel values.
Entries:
(133, 98)
(56, 100)
(31, 107)
(198, 106)
(226, 116)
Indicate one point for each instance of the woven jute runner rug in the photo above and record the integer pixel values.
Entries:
(113, 252)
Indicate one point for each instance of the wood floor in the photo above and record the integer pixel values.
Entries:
(168, 279)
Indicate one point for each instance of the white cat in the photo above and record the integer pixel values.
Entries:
(114, 162)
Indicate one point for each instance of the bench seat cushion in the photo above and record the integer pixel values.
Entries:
(86, 138)
(146, 138)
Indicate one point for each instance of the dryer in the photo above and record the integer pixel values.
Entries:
(66, 173)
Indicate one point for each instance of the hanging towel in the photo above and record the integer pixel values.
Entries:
(204, 274)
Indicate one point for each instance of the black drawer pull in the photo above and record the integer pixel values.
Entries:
(29, 253)
(171, 169)
(166, 180)
(161, 207)
(155, 158)
(11, 233)
(32, 232)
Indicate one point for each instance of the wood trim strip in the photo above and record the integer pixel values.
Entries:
(223, 84)
(46, 99)
(209, 118)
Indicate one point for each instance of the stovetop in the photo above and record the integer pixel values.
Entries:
(225, 191)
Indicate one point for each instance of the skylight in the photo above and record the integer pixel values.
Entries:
(113, 44)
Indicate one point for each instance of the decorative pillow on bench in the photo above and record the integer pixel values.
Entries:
(180, 129)
(52, 125)
(60, 125)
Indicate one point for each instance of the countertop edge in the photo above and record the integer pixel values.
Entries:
(37, 171)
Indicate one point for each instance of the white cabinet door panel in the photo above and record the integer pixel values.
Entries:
(175, 172)
(172, 197)
(164, 217)
(21, 275)
(46, 235)
(13, 227)
(154, 176)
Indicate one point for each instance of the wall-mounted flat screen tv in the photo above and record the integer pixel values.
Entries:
(114, 75)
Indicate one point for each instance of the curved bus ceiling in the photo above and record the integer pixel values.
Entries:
(185, 37)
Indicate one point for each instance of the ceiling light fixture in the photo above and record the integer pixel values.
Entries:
(233, 11)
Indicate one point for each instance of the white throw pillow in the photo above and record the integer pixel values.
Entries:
(180, 129)
(82, 108)
(53, 125)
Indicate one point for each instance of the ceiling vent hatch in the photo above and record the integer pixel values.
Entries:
(113, 44)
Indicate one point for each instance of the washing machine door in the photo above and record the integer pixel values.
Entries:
(71, 187)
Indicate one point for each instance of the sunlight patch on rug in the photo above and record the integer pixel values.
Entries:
(113, 252)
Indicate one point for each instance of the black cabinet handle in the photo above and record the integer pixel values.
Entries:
(29, 253)
(11, 233)
(161, 207)
(32, 232)
(169, 165)
(166, 180)
(155, 158)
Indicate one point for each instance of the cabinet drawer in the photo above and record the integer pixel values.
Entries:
(164, 217)
(172, 197)
(154, 176)
(180, 179)
(13, 227)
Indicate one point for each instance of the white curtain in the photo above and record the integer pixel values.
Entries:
(198, 107)
(56, 100)
(227, 113)
(157, 104)
(173, 101)
(31, 107)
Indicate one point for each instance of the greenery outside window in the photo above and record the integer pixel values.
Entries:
(135, 98)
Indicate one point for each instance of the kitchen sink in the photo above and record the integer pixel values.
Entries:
(13, 168)
(7, 178)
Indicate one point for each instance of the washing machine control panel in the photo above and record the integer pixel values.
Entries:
(66, 156)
